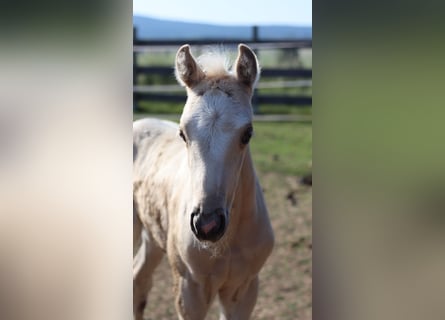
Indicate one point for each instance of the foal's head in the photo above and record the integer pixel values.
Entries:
(216, 126)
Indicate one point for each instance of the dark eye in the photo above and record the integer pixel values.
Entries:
(247, 135)
(181, 134)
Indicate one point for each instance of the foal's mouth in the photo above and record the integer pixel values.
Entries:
(208, 226)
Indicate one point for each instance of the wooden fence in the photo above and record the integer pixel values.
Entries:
(294, 77)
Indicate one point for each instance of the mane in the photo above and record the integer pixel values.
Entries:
(215, 61)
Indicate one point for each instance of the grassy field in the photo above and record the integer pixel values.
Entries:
(282, 153)
(282, 148)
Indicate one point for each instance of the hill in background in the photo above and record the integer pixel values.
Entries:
(157, 29)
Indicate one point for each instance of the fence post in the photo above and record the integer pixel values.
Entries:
(135, 106)
(255, 91)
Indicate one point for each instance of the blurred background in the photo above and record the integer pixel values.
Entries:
(281, 36)
(66, 102)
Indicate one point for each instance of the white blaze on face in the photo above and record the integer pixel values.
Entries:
(213, 124)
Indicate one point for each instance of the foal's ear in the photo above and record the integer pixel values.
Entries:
(246, 66)
(187, 71)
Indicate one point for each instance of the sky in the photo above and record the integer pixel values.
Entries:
(229, 12)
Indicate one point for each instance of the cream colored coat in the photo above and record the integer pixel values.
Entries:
(211, 170)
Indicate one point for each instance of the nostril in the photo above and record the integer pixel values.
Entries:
(208, 226)
(221, 213)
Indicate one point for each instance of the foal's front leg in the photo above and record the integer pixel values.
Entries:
(238, 303)
(192, 299)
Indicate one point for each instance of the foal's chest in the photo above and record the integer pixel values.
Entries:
(231, 268)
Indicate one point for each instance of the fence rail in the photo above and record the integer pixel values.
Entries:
(267, 72)
(262, 85)
(254, 44)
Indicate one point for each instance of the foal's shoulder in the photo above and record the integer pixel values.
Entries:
(150, 127)
(152, 124)
(147, 130)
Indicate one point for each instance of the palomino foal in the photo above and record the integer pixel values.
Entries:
(196, 195)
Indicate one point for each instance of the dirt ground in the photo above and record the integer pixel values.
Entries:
(286, 279)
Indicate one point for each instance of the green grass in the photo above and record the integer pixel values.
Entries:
(165, 58)
(286, 91)
(158, 107)
(285, 109)
(284, 148)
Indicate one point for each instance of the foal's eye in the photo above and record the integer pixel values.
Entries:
(246, 136)
(181, 134)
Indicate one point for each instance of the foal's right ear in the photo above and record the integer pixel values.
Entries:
(188, 73)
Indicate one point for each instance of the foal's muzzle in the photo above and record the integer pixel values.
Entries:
(208, 226)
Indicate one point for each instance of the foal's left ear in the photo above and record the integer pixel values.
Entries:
(246, 66)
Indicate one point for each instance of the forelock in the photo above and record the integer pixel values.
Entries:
(215, 62)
